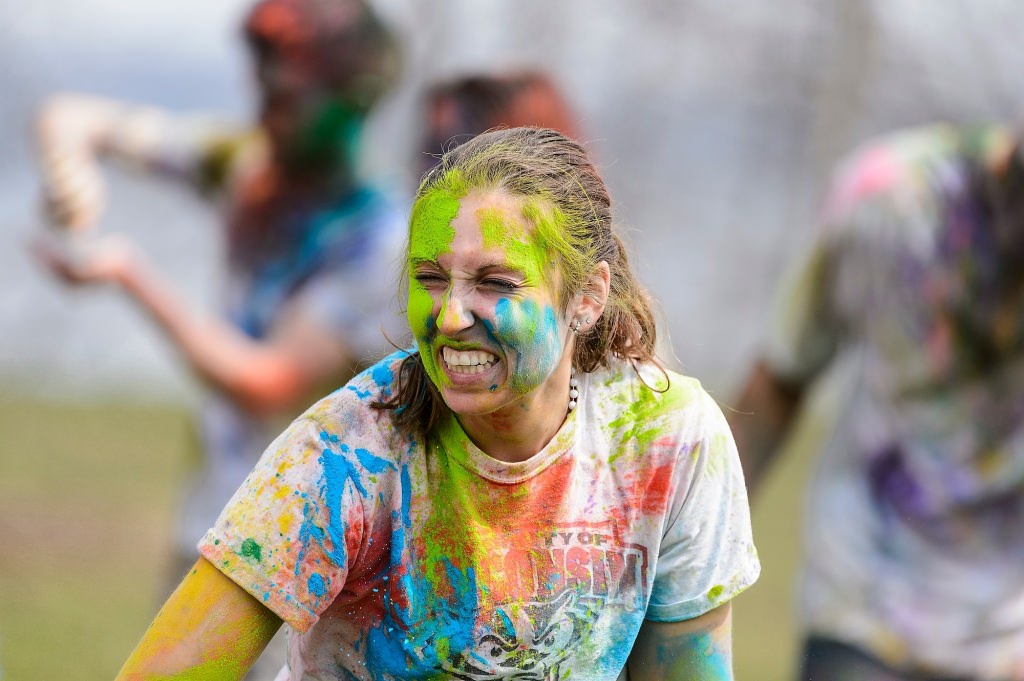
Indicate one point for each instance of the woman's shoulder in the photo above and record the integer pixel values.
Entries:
(624, 382)
(649, 397)
(648, 416)
(350, 410)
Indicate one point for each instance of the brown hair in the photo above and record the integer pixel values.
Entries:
(343, 42)
(542, 165)
(461, 108)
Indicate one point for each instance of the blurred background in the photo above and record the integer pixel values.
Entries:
(715, 126)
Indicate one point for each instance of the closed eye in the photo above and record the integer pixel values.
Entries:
(430, 279)
(502, 284)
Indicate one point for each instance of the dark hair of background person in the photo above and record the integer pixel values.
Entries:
(463, 107)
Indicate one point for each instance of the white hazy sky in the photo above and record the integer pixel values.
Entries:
(714, 122)
(126, 48)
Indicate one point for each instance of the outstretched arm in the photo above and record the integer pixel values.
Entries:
(74, 130)
(699, 649)
(263, 376)
(762, 419)
(209, 629)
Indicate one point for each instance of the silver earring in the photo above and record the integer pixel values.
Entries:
(576, 326)
(587, 322)
(574, 385)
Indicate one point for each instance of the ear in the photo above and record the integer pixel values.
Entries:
(594, 296)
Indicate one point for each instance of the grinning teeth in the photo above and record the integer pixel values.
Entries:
(474, 369)
(467, 359)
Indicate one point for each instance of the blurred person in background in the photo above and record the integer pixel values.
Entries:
(308, 241)
(914, 296)
(460, 108)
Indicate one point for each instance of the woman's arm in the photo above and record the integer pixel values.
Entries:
(698, 649)
(74, 130)
(209, 629)
(265, 376)
(763, 419)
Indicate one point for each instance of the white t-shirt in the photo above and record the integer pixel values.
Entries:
(392, 559)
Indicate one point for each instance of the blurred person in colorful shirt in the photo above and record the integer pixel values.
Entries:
(310, 244)
(525, 494)
(910, 306)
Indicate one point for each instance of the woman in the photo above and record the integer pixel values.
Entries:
(524, 495)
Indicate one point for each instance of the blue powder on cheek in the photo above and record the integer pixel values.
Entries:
(532, 333)
(493, 387)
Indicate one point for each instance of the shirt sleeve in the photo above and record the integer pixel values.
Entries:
(196, 148)
(707, 554)
(288, 533)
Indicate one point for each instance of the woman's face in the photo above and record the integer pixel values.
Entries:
(483, 300)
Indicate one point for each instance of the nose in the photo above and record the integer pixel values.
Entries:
(454, 315)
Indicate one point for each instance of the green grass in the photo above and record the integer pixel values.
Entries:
(86, 509)
(765, 634)
(87, 495)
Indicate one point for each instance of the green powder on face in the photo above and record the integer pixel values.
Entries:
(524, 252)
(420, 309)
(524, 323)
(430, 228)
(564, 241)
(430, 236)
